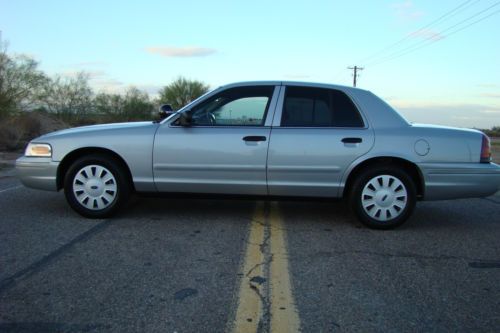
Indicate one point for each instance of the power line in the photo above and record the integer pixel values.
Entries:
(447, 15)
(472, 23)
(429, 39)
(432, 39)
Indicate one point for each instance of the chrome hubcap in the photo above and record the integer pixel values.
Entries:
(94, 187)
(384, 197)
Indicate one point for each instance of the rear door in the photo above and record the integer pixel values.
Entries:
(317, 133)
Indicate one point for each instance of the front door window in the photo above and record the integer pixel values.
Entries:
(244, 106)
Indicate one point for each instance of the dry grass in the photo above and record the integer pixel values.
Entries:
(16, 131)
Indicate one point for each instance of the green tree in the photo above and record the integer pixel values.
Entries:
(132, 106)
(181, 92)
(70, 98)
(109, 106)
(137, 105)
(20, 80)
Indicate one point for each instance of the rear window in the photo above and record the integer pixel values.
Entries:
(318, 107)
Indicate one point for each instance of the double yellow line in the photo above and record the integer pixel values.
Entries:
(265, 300)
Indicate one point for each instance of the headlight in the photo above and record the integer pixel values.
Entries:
(38, 150)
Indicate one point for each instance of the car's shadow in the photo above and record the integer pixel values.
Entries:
(195, 208)
(465, 213)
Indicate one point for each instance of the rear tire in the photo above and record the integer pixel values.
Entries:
(96, 186)
(383, 197)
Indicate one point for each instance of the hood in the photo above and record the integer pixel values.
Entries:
(97, 128)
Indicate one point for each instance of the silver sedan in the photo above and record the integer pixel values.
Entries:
(274, 139)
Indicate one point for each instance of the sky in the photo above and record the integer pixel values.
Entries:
(433, 61)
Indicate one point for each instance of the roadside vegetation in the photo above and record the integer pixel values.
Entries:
(33, 103)
(493, 133)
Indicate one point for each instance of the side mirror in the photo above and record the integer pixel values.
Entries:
(185, 119)
(165, 111)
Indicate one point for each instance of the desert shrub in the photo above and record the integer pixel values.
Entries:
(11, 136)
(18, 130)
(181, 92)
(70, 98)
(30, 125)
(134, 105)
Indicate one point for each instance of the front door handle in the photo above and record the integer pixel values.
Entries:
(254, 138)
(352, 140)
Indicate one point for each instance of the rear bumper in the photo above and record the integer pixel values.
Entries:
(460, 180)
(37, 172)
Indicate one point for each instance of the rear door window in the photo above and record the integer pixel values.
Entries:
(318, 107)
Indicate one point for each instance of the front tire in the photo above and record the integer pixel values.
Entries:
(383, 197)
(96, 186)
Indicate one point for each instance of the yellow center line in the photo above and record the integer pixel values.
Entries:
(284, 315)
(250, 305)
(265, 297)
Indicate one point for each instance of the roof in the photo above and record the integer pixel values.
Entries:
(289, 83)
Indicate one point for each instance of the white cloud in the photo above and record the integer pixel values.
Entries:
(428, 34)
(30, 55)
(406, 11)
(487, 85)
(490, 95)
(151, 89)
(108, 85)
(90, 74)
(180, 52)
(91, 64)
(99, 80)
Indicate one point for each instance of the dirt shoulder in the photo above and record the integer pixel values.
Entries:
(7, 163)
(8, 159)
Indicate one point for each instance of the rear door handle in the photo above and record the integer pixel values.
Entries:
(352, 140)
(254, 138)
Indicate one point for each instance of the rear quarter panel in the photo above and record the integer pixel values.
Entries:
(447, 158)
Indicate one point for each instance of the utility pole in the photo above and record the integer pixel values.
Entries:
(355, 74)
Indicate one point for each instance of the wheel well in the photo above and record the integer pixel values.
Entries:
(76, 154)
(412, 170)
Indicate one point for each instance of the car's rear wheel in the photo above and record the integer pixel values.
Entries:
(96, 186)
(383, 197)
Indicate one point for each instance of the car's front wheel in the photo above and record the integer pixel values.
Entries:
(96, 186)
(383, 197)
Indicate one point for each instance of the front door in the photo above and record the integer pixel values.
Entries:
(225, 148)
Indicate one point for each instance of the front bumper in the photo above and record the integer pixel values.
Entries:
(37, 172)
(460, 180)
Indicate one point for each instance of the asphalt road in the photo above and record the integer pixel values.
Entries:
(172, 265)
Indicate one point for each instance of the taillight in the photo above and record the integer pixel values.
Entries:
(485, 150)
